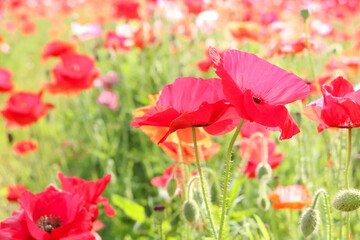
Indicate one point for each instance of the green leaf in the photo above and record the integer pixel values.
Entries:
(131, 209)
(262, 227)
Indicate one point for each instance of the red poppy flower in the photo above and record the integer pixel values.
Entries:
(338, 107)
(162, 181)
(127, 9)
(14, 192)
(292, 197)
(258, 89)
(24, 108)
(5, 80)
(91, 192)
(76, 72)
(194, 6)
(256, 153)
(56, 48)
(49, 215)
(249, 128)
(24, 147)
(179, 108)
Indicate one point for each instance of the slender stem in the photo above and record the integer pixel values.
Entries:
(226, 181)
(348, 226)
(348, 158)
(203, 188)
(326, 198)
(161, 231)
(189, 186)
(347, 180)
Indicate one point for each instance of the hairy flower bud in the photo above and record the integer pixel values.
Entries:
(347, 200)
(263, 171)
(263, 203)
(305, 14)
(190, 211)
(171, 187)
(309, 221)
(159, 214)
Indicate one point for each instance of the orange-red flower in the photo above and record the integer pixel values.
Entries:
(292, 197)
(56, 48)
(162, 181)
(76, 72)
(24, 108)
(5, 80)
(14, 192)
(24, 147)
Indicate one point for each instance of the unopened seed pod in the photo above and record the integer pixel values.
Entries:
(263, 171)
(263, 203)
(190, 211)
(347, 200)
(309, 221)
(171, 187)
(159, 214)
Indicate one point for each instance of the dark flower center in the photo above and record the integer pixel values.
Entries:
(49, 223)
(256, 100)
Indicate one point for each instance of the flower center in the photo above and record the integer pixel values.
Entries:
(256, 100)
(49, 223)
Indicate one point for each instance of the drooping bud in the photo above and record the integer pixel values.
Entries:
(171, 187)
(263, 203)
(305, 14)
(263, 171)
(309, 221)
(347, 200)
(190, 211)
(159, 213)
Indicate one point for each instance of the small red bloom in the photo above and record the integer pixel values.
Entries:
(24, 108)
(48, 215)
(338, 107)
(91, 192)
(258, 89)
(76, 72)
(15, 191)
(5, 80)
(256, 152)
(162, 181)
(191, 102)
(24, 147)
(194, 6)
(292, 197)
(127, 9)
(56, 48)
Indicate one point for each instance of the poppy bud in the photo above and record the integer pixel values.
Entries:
(309, 221)
(263, 203)
(305, 14)
(347, 200)
(171, 187)
(190, 211)
(263, 171)
(159, 214)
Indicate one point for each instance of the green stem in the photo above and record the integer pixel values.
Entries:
(348, 158)
(161, 231)
(326, 198)
(347, 180)
(226, 181)
(189, 186)
(202, 183)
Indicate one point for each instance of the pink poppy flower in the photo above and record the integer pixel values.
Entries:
(338, 107)
(203, 106)
(259, 90)
(5, 80)
(109, 99)
(86, 31)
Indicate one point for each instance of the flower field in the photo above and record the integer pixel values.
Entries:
(179, 119)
